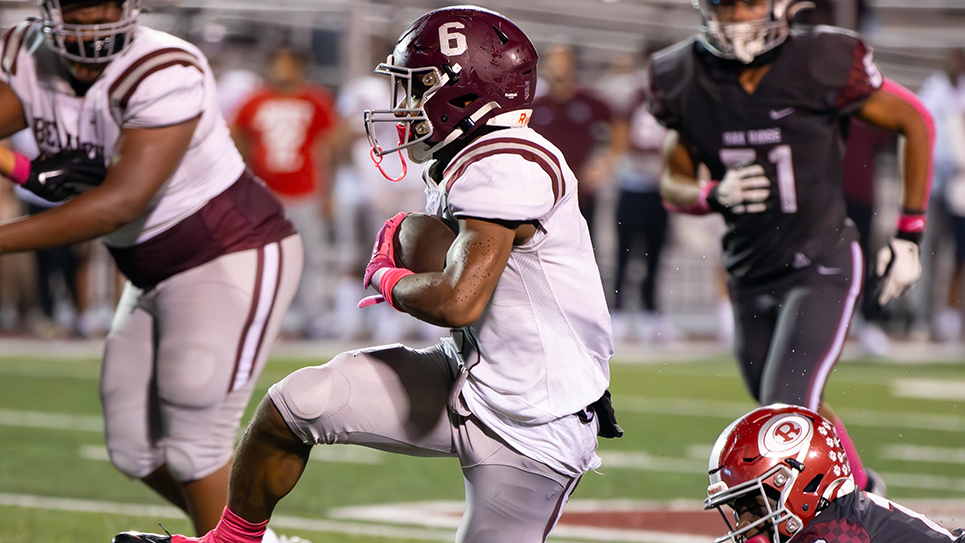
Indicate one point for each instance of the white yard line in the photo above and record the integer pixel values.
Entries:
(644, 461)
(447, 515)
(334, 454)
(372, 527)
(51, 421)
(690, 407)
(166, 512)
(920, 453)
(929, 389)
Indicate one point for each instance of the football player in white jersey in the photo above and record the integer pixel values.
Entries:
(518, 393)
(127, 122)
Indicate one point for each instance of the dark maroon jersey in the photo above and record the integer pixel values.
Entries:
(572, 125)
(792, 125)
(866, 518)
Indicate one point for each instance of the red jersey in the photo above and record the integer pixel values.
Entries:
(282, 129)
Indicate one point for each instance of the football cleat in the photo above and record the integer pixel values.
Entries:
(140, 537)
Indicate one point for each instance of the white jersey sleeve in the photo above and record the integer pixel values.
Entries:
(504, 186)
(166, 98)
(511, 179)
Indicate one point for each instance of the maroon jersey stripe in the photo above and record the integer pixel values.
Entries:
(525, 149)
(159, 67)
(513, 141)
(124, 80)
(12, 41)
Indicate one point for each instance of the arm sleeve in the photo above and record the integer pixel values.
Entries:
(505, 187)
(659, 101)
(166, 97)
(844, 65)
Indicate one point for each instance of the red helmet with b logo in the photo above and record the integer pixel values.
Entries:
(459, 68)
(789, 456)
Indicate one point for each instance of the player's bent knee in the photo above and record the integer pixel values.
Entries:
(133, 462)
(310, 396)
(189, 462)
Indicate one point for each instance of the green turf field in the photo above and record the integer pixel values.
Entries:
(53, 465)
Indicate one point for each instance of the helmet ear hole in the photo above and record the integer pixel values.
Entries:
(463, 100)
(814, 484)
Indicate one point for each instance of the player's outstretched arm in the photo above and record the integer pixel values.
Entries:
(146, 158)
(457, 296)
(894, 108)
(11, 113)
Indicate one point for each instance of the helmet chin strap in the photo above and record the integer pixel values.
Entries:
(511, 119)
(458, 132)
(376, 155)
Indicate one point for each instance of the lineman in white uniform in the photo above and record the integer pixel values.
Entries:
(518, 393)
(212, 263)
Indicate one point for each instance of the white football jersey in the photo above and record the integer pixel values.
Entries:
(544, 340)
(160, 80)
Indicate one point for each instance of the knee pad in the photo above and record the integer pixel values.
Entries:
(132, 459)
(193, 376)
(192, 461)
(310, 397)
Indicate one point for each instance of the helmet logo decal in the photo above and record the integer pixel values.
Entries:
(452, 43)
(784, 435)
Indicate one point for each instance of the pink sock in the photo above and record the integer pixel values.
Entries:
(230, 529)
(857, 468)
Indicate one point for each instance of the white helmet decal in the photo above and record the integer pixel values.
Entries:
(785, 435)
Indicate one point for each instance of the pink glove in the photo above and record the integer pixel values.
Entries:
(383, 258)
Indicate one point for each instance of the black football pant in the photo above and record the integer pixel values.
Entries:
(789, 333)
(641, 220)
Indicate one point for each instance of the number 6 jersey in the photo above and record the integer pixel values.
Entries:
(792, 125)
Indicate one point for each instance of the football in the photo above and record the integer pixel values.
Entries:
(421, 243)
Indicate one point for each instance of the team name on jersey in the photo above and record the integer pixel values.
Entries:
(47, 136)
(763, 136)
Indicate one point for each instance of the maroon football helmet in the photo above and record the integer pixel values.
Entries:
(459, 68)
(787, 455)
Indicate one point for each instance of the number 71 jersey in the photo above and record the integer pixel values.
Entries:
(792, 125)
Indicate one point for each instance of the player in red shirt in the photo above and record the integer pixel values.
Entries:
(283, 131)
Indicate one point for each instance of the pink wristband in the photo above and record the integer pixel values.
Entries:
(390, 277)
(912, 223)
(702, 205)
(699, 208)
(21, 169)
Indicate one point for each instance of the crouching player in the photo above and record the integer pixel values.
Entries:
(783, 473)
